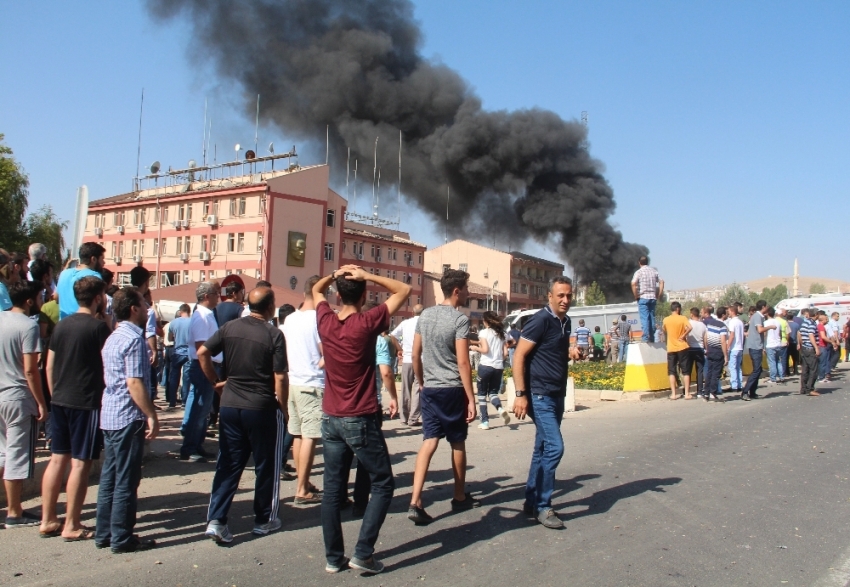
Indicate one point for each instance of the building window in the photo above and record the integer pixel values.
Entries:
(179, 245)
(523, 288)
(240, 243)
(203, 244)
(259, 242)
(203, 275)
(371, 296)
(142, 248)
(420, 258)
(229, 272)
(156, 214)
(393, 276)
(164, 247)
(232, 207)
(242, 206)
(238, 272)
(206, 211)
(418, 279)
(262, 204)
(329, 251)
(181, 211)
(135, 248)
(446, 268)
(114, 249)
(373, 251)
(186, 276)
(188, 211)
(463, 266)
(395, 255)
(156, 247)
(344, 246)
(378, 253)
(257, 274)
(418, 299)
(231, 243)
(213, 243)
(121, 248)
(164, 214)
(514, 287)
(331, 219)
(212, 274)
(118, 218)
(188, 245)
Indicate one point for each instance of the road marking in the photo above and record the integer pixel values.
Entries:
(839, 573)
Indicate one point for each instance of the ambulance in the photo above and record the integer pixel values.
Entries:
(829, 303)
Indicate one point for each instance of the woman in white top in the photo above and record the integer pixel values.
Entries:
(492, 344)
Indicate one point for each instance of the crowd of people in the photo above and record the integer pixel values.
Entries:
(269, 381)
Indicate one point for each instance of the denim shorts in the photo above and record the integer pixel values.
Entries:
(444, 413)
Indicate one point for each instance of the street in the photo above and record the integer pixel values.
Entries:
(652, 493)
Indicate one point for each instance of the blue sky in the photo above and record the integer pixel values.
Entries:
(720, 124)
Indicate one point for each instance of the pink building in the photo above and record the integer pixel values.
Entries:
(480, 299)
(518, 280)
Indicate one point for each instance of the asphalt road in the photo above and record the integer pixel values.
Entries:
(656, 493)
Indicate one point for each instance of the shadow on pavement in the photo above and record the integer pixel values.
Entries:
(603, 500)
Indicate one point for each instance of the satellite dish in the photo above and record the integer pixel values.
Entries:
(249, 154)
(237, 148)
(155, 167)
(271, 148)
(192, 164)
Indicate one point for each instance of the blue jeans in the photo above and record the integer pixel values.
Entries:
(736, 378)
(547, 413)
(117, 497)
(342, 439)
(783, 362)
(177, 365)
(773, 365)
(753, 380)
(197, 411)
(646, 309)
(825, 356)
(624, 347)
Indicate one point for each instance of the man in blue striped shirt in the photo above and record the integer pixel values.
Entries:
(126, 409)
(809, 353)
(716, 351)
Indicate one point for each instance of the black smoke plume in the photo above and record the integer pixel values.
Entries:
(356, 66)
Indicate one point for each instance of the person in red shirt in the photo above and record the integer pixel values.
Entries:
(351, 426)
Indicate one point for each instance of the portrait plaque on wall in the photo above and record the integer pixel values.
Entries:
(297, 249)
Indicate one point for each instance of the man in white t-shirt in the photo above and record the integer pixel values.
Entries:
(773, 346)
(696, 348)
(202, 325)
(306, 389)
(736, 349)
(403, 335)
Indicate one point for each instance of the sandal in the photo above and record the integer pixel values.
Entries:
(85, 534)
(315, 498)
(690, 397)
(673, 397)
(51, 533)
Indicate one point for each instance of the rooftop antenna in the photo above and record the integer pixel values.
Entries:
(257, 124)
(327, 143)
(204, 145)
(139, 147)
(347, 173)
(448, 195)
(584, 118)
(375, 172)
(398, 222)
(271, 151)
(237, 148)
(354, 186)
(377, 196)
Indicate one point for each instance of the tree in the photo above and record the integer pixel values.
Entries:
(43, 226)
(734, 293)
(774, 295)
(594, 296)
(817, 288)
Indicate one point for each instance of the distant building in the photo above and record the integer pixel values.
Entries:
(478, 302)
(513, 278)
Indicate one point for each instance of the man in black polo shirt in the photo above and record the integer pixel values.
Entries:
(540, 374)
(251, 420)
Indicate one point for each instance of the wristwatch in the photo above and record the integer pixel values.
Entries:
(520, 393)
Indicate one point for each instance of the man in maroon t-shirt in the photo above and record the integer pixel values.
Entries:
(352, 416)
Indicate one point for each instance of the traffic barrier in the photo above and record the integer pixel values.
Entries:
(646, 367)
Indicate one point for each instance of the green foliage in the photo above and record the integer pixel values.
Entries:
(594, 295)
(773, 295)
(817, 288)
(735, 293)
(662, 310)
(43, 226)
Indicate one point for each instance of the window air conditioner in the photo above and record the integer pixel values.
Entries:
(137, 258)
(212, 220)
(98, 231)
(378, 259)
(185, 223)
(176, 224)
(141, 227)
(120, 229)
(117, 260)
(184, 257)
(204, 256)
(359, 256)
(410, 262)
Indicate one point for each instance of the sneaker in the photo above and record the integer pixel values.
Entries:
(705, 397)
(25, 520)
(418, 515)
(465, 504)
(371, 565)
(267, 528)
(505, 416)
(550, 519)
(220, 533)
(715, 398)
(135, 545)
(195, 459)
(484, 426)
(336, 567)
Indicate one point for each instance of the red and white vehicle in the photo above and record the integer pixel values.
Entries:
(829, 303)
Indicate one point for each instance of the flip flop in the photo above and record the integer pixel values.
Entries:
(85, 534)
(51, 533)
(690, 397)
(674, 397)
(308, 500)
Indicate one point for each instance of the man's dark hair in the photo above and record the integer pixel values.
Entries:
(284, 311)
(107, 275)
(721, 312)
(22, 291)
(760, 304)
(111, 289)
(262, 305)
(453, 279)
(124, 300)
(87, 289)
(595, 329)
(623, 318)
(709, 310)
(40, 268)
(806, 311)
(644, 260)
(560, 279)
(89, 250)
(233, 288)
(263, 283)
(350, 291)
(821, 313)
(771, 311)
(139, 276)
(675, 306)
(308, 286)
(695, 312)
(183, 308)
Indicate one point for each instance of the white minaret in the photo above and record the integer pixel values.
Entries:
(796, 278)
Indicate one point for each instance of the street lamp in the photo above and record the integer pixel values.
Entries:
(493, 289)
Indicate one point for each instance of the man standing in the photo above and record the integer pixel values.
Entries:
(614, 343)
(75, 378)
(440, 361)
(251, 418)
(834, 331)
(676, 328)
(125, 409)
(647, 288)
(403, 335)
(21, 399)
(793, 355)
(736, 349)
(755, 342)
(306, 389)
(540, 372)
(140, 279)
(233, 306)
(773, 346)
(807, 345)
(202, 326)
(825, 344)
(582, 339)
(696, 347)
(91, 262)
(352, 423)
(716, 352)
(625, 336)
(178, 367)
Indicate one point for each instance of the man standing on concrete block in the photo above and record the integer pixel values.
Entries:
(647, 288)
(409, 405)
(540, 372)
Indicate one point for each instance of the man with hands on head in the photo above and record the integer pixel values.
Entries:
(352, 421)
(540, 373)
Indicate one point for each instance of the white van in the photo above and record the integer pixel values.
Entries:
(829, 303)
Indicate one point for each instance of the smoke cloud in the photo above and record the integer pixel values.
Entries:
(356, 66)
